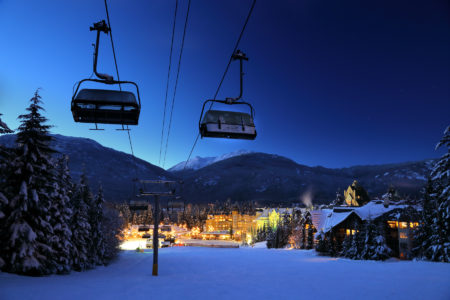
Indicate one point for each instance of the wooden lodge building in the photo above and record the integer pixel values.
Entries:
(398, 219)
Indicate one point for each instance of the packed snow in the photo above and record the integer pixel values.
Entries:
(244, 273)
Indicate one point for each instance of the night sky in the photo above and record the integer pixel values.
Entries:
(333, 83)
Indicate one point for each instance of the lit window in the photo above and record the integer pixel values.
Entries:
(347, 232)
(403, 235)
(413, 224)
(403, 225)
(393, 224)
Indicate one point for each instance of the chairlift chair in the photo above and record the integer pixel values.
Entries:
(229, 124)
(99, 106)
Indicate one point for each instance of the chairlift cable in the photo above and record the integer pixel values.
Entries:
(112, 44)
(132, 154)
(224, 74)
(120, 87)
(167, 84)
(176, 80)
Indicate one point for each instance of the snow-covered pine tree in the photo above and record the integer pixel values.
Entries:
(3, 203)
(310, 239)
(439, 248)
(381, 250)
(346, 245)
(421, 242)
(423, 233)
(97, 243)
(4, 159)
(368, 234)
(322, 245)
(3, 127)
(80, 225)
(29, 188)
(375, 246)
(339, 199)
(148, 215)
(352, 251)
(297, 227)
(111, 228)
(61, 214)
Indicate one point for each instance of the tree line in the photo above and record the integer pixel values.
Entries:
(48, 224)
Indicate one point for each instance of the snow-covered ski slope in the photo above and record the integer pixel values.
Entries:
(245, 273)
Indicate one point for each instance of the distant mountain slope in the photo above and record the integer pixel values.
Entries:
(201, 162)
(240, 176)
(271, 178)
(115, 170)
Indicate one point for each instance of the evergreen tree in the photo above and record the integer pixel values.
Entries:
(80, 225)
(148, 215)
(369, 240)
(3, 127)
(381, 250)
(3, 203)
(279, 238)
(322, 245)
(439, 247)
(4, 159)
(27, 230)
(297, 229)
(97, 244)
(375, 246)
(339, 200)
(356, 243)
(111, 228)
(261, 234)
(346, 245)
(61, 214)
(423, 233)
(352, 251)
(310, 239)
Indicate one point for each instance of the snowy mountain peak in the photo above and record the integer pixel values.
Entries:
(201, 162)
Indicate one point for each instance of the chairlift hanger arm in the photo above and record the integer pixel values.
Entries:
(239, 55)
(100, 27)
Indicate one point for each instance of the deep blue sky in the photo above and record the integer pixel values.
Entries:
(334, 83)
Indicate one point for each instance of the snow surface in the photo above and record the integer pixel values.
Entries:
(245, 273)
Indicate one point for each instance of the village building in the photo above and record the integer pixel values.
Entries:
(236, 226)
(355, 195)
(399, 220)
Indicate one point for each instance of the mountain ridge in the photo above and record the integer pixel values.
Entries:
(240, 176)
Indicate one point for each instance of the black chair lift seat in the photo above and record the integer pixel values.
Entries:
(105, 107)
(99, 106)
(228, 124)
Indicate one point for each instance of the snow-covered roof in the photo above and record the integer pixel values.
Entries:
(326, 219)
(375, 208)
(318, 217)
(335, 218)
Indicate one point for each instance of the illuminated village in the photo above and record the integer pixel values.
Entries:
(340, 220)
